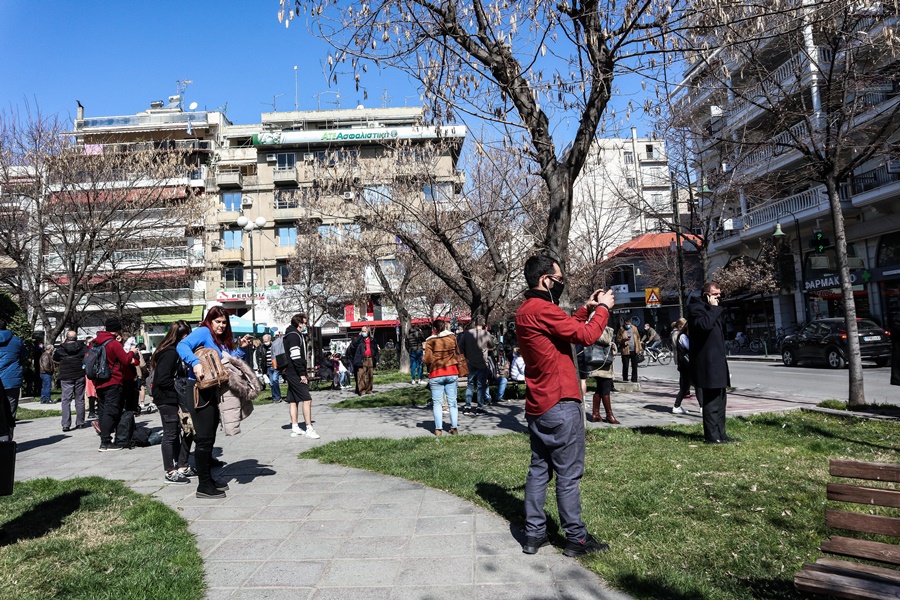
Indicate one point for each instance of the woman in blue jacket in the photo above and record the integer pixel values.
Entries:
(215, 333)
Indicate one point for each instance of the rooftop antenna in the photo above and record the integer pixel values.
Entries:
(180, 86)
(385, 98)
(296, 91)
(274, 100)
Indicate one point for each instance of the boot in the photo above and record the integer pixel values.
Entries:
(595, 410)
(610, 418)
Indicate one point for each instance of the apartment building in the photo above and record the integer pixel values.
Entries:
(760, 115)
(312, 173)
(623, 192)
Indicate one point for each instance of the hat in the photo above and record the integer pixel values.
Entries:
(113, 324)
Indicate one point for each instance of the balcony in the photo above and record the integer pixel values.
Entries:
(232, 179)
(230, 255)
(139, 259)
(776, 153)
(155, 146)
(878, 184)
(177, 120)
(284, 252)
(288, 176)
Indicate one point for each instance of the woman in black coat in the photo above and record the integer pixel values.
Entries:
(167, 367)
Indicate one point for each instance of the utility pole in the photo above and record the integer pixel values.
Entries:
(679, 248)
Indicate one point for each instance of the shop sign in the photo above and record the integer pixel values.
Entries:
(827, 282)
(331, 330)
(231, 296)
(622, 288)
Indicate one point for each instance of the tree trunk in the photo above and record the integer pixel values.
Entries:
(560, 189)
(856, 395)
(402, 353)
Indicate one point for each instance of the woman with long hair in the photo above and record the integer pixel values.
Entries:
(215, 333)
(681, 343)
(443, 375)
(166, 367)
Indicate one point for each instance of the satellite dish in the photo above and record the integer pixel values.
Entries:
(193, 106)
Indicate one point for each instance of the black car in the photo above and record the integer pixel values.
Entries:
(825, 341)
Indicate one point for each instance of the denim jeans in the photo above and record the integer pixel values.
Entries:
(557, 447)
(275, 382)
(501, 388)
(477, 377)
(415, 365)
(46, 385)
(448, 384)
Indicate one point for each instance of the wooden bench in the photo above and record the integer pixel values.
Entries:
(846, 579)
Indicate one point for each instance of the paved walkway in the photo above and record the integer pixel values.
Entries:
(293, 528)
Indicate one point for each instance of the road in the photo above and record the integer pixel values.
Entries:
(814, 382)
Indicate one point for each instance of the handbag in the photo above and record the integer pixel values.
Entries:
(461, 364)
(599, 356)
(214, 372)
(639, 357)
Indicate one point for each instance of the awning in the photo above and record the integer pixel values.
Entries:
(192, 317)
(242, 326)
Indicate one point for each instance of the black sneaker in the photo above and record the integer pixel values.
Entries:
(211, 493)
(176, 477)
(188, 472)
(586, 546)
(220, 485)
(533, 544)
(215, 462)
(467, 410)
(479, 411)
(109, 447)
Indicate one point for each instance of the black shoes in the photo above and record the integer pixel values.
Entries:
(215, 462)
(210, 492)
(220, 485)
(586, 546)
(533, 544)
(67, 429)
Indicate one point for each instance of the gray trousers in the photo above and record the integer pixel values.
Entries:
(557, 443)
(70, 388)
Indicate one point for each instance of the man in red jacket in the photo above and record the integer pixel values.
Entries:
(553, 406)
(112, 392)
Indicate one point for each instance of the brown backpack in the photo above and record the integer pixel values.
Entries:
(214, 372)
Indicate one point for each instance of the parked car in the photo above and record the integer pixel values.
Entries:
(825, 341)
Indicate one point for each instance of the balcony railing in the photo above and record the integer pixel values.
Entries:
(287, 176)
(151, 259)
(161, 297)
(159, 145)
(153, 119)
(229, 179)
(777, 145)
(771, 213)
(876, 178)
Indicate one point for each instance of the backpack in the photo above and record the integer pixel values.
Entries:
(125, 430)
(279, 357)
(96, 366)
(214, 372)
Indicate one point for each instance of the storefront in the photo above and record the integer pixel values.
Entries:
(887, 276)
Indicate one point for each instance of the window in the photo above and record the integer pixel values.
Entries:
(282, 272)
(232, 239)
(658, 202)
(294, 198)
(285, 160)
(629, 158)
(377, 194)
(231, 201)
(649, 148)
(287, 236)
(629, 181)
(233, 276)
(339, 232)
(441, 193)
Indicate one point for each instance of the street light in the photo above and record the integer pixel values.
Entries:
(249, 226)
(778, 233)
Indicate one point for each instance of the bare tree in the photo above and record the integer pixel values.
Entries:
(77, 218)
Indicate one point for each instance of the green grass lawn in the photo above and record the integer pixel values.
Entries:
(404, 396)
(94, 538)
(26, 414)
(684, 519)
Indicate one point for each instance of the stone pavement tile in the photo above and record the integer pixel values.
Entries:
(214, 529)
(520, 591)
(346, 499)
(368, 572)
(265, 529)
(299, 547)
(230, 573)
(450, 507)
(227, 513)
(497, 543)
(305, 498)
(326, 513)
(438, 592)
(207, 545)
(353, 593)
(244, 549)
(250, 498)
(219, 593)
(255, 593)
(387, 511)
(437, 570)
(510, 569)
(450, 545)
(283, 513)
(288, 573)
(365, 547)
(445, 525)
(326, 528)
(486, 522)
(384, 527)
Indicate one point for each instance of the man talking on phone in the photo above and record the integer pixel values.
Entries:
(709, 369)
(553, 406)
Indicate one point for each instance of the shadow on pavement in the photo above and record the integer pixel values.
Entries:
(509, 507)
(245, 471)
(32, 444)
(42, 519)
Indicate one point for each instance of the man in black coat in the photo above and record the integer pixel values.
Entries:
(709, 369)
(70, 357)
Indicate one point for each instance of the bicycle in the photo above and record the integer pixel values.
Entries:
(662, 355)
(735, 347)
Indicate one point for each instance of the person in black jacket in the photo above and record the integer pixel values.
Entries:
(708, 367)
(166, 368)
(295, 374)
(70, 357)
(363, 354)
(415, 341)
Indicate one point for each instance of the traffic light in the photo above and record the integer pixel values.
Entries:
(819, 242)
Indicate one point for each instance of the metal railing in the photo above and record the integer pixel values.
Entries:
(771, 213)
(149, 258)
(876, 178)
(776, 145)
(196, 118)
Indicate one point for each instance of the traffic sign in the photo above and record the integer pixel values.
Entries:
(651, 297)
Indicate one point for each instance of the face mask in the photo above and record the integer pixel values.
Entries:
(556, 290)
(364, 334)
(304, 330)
(628, 327)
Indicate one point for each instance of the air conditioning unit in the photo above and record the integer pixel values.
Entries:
(348, 195)
(270, 282)
(246, 201)
(309, 156)
(216, 244)
(271, 157)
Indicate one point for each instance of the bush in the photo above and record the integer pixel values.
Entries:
(832, 403)
(388, 360)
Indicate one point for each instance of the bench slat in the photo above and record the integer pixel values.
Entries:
(865, 470)
(840, 519)
(842, 586)
(886, 553)
(869, 570)
(843, 492)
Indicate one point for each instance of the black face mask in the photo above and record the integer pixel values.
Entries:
(556, 291)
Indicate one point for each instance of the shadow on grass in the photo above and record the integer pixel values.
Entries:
(32, 444)
(42, 519)
(666, 432)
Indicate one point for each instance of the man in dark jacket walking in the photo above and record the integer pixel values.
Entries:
(415, 341)
(70, 357)
(118, 388)
(709, 369)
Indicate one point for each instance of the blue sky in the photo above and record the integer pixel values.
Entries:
(118, 56)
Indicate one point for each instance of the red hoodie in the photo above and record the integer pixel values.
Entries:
(546, 334)
(121, 363)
